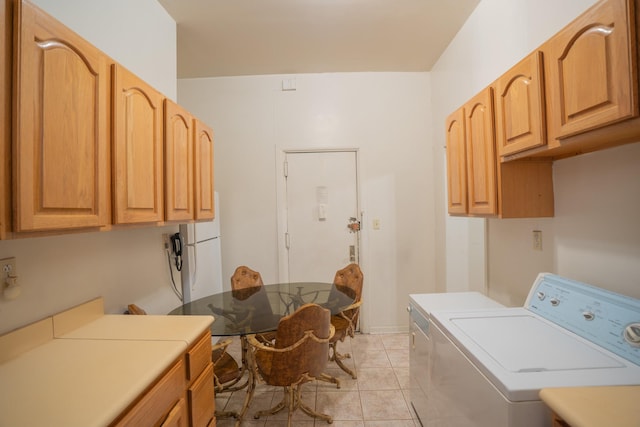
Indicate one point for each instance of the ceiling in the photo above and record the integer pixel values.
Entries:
(252, 37)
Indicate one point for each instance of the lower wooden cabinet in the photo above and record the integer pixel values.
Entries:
(183, 396)
(153, 407)
(200, 396)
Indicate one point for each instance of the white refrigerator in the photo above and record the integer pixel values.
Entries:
(201, 262)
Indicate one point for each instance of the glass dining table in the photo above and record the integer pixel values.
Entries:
(257, 310)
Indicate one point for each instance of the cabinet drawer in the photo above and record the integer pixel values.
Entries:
(159, 400)
(178, 416)
(201, 398)
(198, 357)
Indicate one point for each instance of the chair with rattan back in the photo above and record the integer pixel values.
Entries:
(348, 280)
(244, 277)
(298, 354)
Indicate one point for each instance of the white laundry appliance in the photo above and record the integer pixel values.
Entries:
(420, 308)
(487, 367)
(201, 257)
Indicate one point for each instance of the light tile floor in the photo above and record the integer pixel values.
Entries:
(379, 397)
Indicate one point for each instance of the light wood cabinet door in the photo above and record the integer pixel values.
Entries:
(178, 163)
(5, 116)
(202, 398)
(520, 110)
(203, 172)
(589, 70)
(138, 150)
(178, 416)
(61, 139)
(481, 156)
(456, 163)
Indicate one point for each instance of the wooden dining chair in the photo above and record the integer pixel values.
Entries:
(244, 277)
(298, 354)
(349, 280)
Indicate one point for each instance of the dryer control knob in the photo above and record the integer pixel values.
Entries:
(588, 315)
(632, 334)
(554, 301)
(541, 295)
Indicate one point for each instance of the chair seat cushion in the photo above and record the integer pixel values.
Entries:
(342, 326)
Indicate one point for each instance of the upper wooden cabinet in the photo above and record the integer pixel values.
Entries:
(203, 172)
(520, 111)
(456, 163)
(61, 134)
(138, 150)
(478, 184)
(591, 70)
(178, 133)
(481, 155)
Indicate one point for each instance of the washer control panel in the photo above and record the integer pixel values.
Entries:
(605, 318)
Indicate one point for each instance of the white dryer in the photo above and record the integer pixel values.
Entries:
(420, 308)
(487, 367)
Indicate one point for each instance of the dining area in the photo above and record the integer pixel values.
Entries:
(286, 354)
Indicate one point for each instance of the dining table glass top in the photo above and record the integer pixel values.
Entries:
(259, 309)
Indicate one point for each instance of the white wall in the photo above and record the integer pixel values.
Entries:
(122, 266)
(594, 236)
(385, 115)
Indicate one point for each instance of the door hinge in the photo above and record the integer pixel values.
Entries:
(285, 169)
(287, 242)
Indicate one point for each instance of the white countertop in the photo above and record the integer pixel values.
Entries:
(83, 383)
(83, 368)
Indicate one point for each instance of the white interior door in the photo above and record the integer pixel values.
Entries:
(321, 196)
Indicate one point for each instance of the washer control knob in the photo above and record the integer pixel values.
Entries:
(554, 301)
(588, 315)
(632, 334)
(541, 295)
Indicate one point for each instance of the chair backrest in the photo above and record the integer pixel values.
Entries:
(134, 309)
(244, 277)
(310, 356)
(351, 277)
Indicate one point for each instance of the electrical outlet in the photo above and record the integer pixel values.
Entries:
(8, 267)
(537, 240)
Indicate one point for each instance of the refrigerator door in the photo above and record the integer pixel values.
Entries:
(201, 264)
(203, 270)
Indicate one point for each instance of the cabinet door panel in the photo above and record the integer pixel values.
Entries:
(137, 150)
(178, 163)
(456, 163)
(481, 159)
(202, 398)
(61, 139)
(520, 117)
(590, 75)
(203, 161)
(5, 116)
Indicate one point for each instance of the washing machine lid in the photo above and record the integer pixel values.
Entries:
(526, 343)
(521, 353)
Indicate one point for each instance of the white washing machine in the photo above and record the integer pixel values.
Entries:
(420, 308)
(487, 367)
